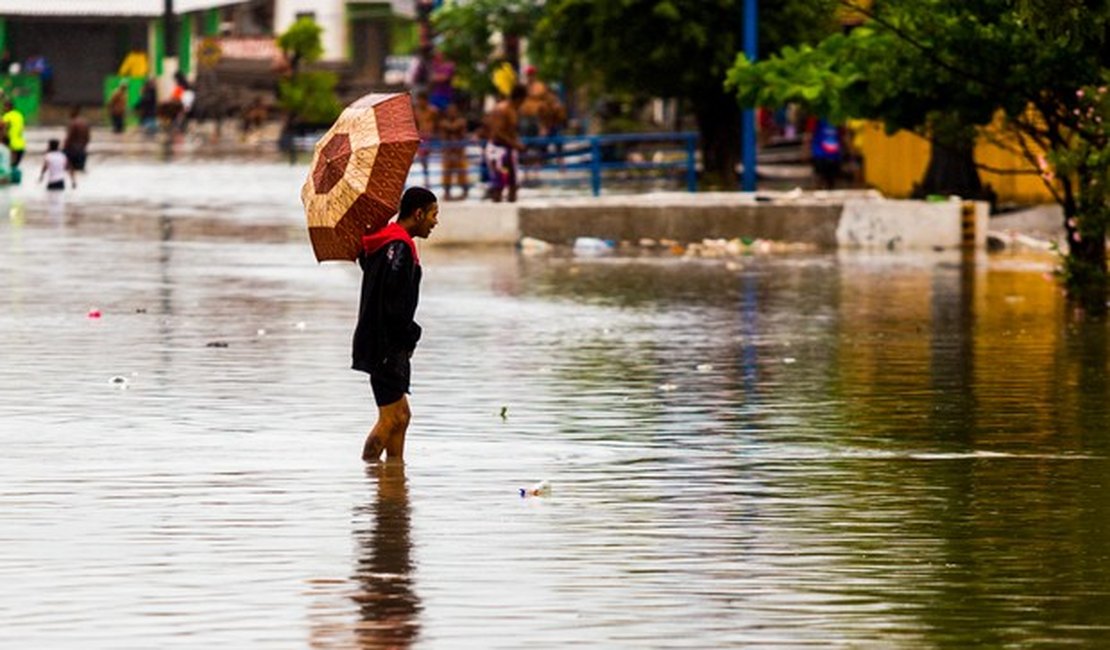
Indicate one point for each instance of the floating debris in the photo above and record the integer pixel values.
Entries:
(533, 246)
(593, 246)
(504, 412)
(216, 344)
(704, 367)
(300, 325)
(788, 360)
(119, 381)
(541, 489)
(666, 388)
(94, 313)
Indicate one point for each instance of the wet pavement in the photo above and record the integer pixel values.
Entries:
(768, 451)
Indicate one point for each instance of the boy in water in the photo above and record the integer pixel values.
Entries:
(54, 168)
(386, 333)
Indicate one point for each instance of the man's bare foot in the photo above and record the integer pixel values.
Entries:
(372, 450)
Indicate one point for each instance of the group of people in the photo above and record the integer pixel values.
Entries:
(67, 157)
(61, 159)
(530, 110)
(176, 111)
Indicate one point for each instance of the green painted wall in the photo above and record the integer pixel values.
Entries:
(159, 46)
(185, 43)
(212, 22)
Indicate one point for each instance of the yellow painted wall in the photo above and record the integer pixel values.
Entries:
(893, 163)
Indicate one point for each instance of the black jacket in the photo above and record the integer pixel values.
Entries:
(390, 290)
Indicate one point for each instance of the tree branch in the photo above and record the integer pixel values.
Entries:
(929, 53)
(1006, 172)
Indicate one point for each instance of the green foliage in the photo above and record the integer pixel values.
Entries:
(310, 97)
(673, 48)
(946, 67)
(467, 30)
(669, 48)
(301, 43)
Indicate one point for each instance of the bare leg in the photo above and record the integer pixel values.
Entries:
(389, 431)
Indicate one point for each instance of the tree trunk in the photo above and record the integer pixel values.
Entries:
(718, 117)
(1085, 222)
(951, 171)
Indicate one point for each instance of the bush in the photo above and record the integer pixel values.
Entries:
(310, 97)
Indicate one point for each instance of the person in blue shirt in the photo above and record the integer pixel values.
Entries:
(826, 149)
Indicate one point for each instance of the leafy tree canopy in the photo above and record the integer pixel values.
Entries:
(945, 67)
(301, 42)
(467, 31)
(669, 48)
(674, 48)
(309, 97)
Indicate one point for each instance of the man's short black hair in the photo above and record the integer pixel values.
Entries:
(416, 198)
(518, 93)
(53, 144)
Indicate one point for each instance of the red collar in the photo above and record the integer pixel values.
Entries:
(391, 232)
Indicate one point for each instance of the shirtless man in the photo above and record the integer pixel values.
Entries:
(504, 143)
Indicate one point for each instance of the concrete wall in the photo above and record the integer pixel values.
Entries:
(899, 224)
(464, 223)
(814, 224)
(831, 222)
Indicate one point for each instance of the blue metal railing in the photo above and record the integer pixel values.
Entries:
(591, 161)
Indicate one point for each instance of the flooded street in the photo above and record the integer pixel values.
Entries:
(836, 450)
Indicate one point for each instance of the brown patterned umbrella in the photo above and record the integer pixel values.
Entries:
(358, 173)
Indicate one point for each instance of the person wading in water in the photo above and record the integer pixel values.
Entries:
(386, 333)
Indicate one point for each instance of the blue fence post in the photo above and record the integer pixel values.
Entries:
(595, 165)
(691, 163)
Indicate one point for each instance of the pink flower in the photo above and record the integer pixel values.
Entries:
(1079, 93)
(1075, 237)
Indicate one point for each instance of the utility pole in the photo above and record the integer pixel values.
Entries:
(169, 49)
(170, 27)
(747, 122)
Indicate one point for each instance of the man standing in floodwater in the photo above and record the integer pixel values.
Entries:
(386, 333)
(504, 143)
(13, 132)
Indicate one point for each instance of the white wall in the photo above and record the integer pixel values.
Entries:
(330, 14)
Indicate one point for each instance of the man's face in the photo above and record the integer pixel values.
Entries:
(426, 221)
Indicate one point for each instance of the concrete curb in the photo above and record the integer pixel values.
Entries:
(832, 220)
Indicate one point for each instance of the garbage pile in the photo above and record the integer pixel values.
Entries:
(706, 248)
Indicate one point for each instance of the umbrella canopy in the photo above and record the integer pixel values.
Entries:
(358, 173)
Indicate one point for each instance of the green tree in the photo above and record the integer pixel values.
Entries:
(679, 49)
(467, 30)
(947, 68)
(307, 96)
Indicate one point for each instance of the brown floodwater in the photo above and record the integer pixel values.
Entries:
(880, 451)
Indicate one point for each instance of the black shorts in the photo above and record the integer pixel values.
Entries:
(827, 169)
(390, 379)
(76, 160)
(56, 185)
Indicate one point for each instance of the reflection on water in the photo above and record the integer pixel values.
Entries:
(832, 450)
(387, 604)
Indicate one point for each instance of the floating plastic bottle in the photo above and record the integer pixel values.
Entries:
(541, 489)
(593, 246)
